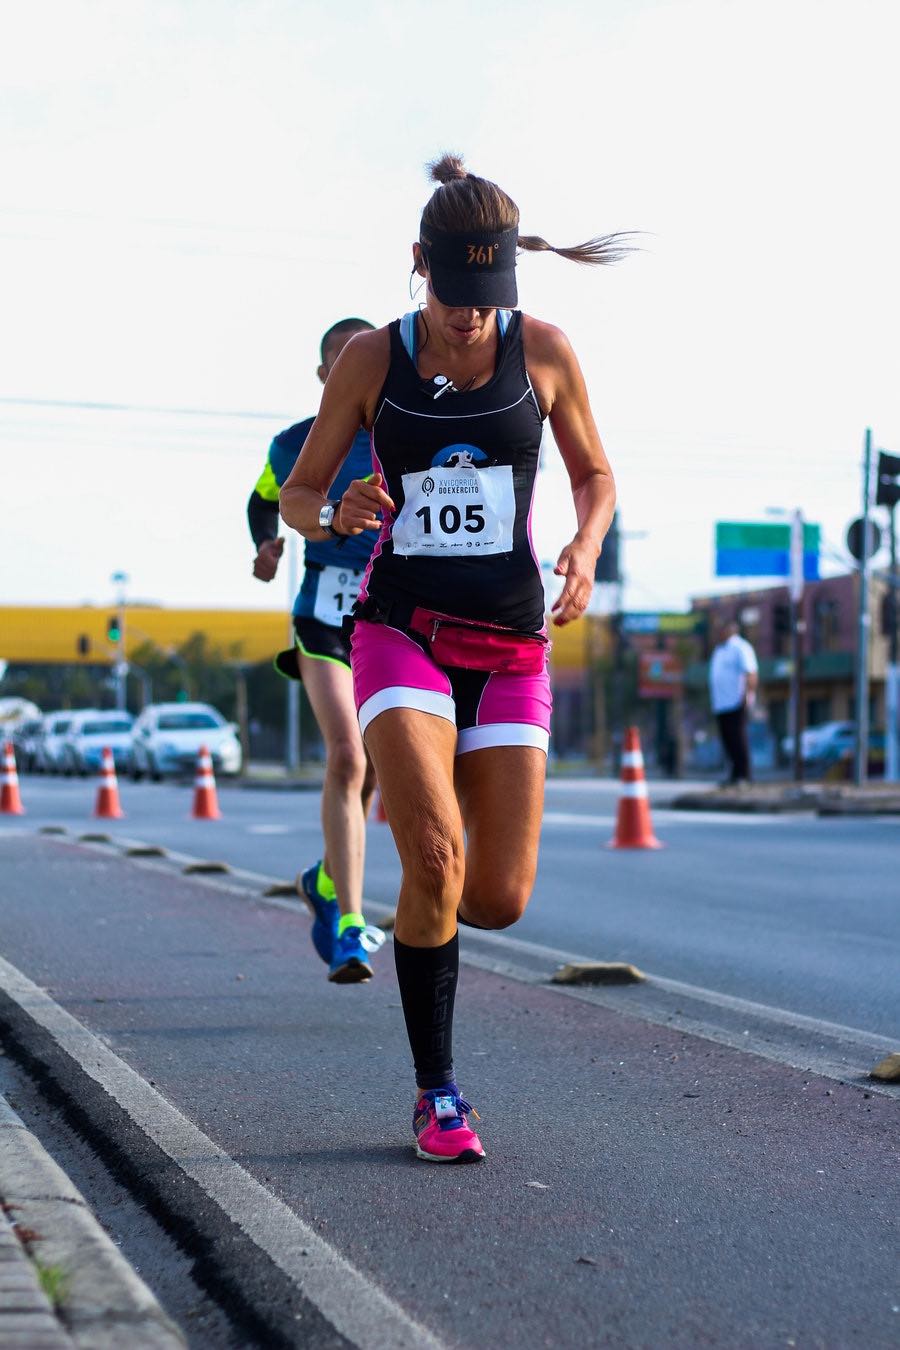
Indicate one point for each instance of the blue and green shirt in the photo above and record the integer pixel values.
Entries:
(353, 555)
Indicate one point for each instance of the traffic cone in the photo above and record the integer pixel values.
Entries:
(206, 804)
(107, 805)
(10, 801)
(634, 828)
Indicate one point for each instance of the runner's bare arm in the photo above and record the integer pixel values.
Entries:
(348, 402)
(561, 392)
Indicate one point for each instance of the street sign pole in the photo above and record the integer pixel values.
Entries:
(862, 640)
(798, 626)
(892, 683)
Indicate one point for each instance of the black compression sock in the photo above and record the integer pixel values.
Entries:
(427, 979)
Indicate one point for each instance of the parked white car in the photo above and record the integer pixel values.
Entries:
(817, 742)
(89, 734)
(48, 743)
(167, 737)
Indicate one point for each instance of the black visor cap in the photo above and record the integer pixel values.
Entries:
(475, 270)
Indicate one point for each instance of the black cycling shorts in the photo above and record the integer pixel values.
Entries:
(315, 639)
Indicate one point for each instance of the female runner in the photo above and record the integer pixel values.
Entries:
(449, 650)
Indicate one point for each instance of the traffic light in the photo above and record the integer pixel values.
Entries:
(888, 491)
(83, 645)
(607, 568)
(113, 629)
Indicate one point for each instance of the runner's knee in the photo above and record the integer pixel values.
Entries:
(347, 763)
(434, 862)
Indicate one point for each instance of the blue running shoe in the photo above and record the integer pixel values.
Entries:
(325, 913)
(350, 959)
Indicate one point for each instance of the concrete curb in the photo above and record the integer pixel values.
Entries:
(103, 1304)
(824, 801)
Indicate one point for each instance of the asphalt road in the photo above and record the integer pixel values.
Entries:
(791, 912)
(644, 1187)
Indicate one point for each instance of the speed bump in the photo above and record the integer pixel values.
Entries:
(887, 1070)
(281, 888)
(598, 972)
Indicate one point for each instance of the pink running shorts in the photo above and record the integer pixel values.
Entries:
(390, 670)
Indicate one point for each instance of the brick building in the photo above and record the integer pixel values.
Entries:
(829, 609)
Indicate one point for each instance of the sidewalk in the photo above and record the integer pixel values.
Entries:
(63, 1283)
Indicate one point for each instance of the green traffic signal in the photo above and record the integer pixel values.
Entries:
(113, 629)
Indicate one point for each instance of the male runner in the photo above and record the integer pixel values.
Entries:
(334, 567)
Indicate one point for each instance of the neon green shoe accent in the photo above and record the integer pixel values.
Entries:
(350, 921)
(324, 885)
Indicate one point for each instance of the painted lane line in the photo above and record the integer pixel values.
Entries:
(662, 815)
(356, 1307)
(270, 829)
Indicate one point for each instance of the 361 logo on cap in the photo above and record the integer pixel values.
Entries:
(482, 254)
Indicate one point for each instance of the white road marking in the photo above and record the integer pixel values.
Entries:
(355, 1306)
(270, 829)
(581, 820)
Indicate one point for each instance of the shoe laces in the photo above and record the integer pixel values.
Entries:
(463, 1108)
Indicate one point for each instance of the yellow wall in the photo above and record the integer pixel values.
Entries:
(51, 635)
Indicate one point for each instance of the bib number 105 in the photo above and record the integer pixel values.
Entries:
(450, 518)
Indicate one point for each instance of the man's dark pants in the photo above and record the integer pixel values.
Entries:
(733, 732)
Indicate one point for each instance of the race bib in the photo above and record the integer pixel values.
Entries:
(456, 512)
(336, 591)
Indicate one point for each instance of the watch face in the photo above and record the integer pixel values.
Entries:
(326, 515)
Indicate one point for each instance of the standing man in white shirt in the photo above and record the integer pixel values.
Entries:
(733, 681)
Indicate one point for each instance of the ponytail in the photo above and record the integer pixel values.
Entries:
(464, 202)
(605, 249)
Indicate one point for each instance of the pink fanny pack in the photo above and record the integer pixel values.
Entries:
(472, 645)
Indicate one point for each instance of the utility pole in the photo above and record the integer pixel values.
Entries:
(887, 493)
(292, 695)
(120, 669)
(862, 640)
(798, 628)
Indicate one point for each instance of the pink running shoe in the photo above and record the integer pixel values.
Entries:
(441, 1126)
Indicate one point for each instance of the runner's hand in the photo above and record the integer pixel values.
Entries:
(359, 504)
(265, 564)
(576, 564)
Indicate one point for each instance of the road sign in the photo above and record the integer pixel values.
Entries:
(855, 538)
(660, 675)
(752, 549)
(654, 622)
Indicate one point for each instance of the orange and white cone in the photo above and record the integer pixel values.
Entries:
(107, 805)
(634, 828)
(206, 803)
(10, 801)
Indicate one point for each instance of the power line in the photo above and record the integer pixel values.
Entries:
(88, 406)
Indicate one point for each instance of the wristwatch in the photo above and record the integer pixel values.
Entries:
(326, 519)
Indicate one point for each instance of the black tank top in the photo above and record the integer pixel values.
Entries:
(461, 469)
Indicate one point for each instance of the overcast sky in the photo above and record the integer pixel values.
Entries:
(193, 190)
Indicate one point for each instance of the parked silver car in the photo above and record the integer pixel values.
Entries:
(89, 734)
(48, 743)
(167, 737)
(24, 739)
